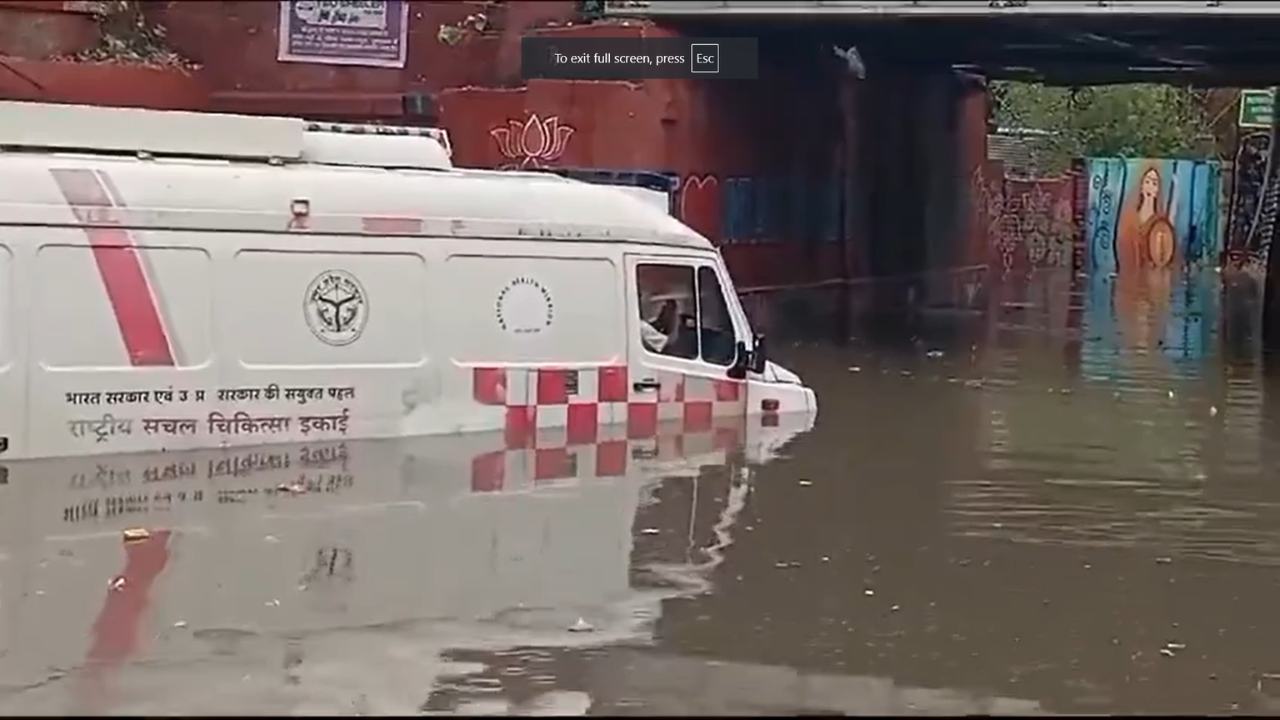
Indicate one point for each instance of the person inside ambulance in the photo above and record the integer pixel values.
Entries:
(655, 327)
(665, 315)
(685, 317)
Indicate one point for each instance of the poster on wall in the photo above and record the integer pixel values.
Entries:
(344, 32)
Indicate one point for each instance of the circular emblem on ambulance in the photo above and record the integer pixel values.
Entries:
(524, 307)
(336, 307)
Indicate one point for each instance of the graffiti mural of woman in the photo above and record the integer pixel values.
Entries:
(1146, 246)
(1146, 237)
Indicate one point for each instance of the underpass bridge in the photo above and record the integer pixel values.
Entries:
(912, 58)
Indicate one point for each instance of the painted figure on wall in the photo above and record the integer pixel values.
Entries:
(1152, 214)
(1152, 225)
(1145, 235)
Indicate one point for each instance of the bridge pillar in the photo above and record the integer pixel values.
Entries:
(911, 186)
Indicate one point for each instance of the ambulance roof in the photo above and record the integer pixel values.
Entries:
(240, 173)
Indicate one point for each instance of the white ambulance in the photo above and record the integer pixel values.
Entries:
(176, 281)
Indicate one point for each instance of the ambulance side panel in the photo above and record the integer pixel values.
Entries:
(526, 330)
(239, 334)
(236, 332)
(334, 328)
(85, 366)
(13, 366)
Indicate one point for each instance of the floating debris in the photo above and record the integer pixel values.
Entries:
(868, 592)
(180, 624)
(118, 583)
(854, 368)
(136, 534)
(649, 531)
(806, 483)
(582, 626)
(934, 354)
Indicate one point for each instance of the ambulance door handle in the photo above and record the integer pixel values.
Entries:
(646, 385)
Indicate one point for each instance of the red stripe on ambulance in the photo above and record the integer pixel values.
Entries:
(120, 266)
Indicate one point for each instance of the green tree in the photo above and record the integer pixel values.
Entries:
(1106, 121)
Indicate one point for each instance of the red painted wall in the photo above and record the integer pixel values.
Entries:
(758, 163)
(43, 30)
(973, 141)
(101, 84)
(728, 143)
(251, 80)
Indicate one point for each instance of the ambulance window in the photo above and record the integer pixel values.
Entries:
(668, 311)
(718, 340)
(684, 314)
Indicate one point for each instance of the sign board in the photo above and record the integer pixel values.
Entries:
(1256, 107)
(344, 32)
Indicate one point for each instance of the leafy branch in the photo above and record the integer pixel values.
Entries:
(472, 25)
(1113, 121)
(126, 35)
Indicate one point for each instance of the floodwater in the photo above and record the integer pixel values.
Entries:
(1067, 505)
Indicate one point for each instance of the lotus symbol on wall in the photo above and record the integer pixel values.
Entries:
(534, 143)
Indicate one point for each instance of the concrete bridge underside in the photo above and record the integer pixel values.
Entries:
(1204, 42)
(910, 194)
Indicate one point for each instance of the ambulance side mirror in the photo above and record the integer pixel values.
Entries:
(748, 360)
(741, 359)
(759, 356)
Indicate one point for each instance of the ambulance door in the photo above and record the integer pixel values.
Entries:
(683, 342)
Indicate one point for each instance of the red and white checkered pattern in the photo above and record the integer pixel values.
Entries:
(590, 422)
(612, 455)
(580, 401)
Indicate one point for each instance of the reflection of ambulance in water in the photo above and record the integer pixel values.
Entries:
(177, 281)
(221, 581)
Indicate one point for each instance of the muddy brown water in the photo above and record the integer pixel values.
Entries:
(1015, 513)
